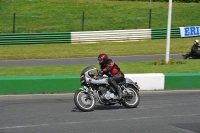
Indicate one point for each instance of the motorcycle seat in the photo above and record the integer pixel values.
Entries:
(123, 82)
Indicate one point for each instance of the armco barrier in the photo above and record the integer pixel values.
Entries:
(87, 36)
(161, 33)
(35, 38)
(69, 84)
(110, 35)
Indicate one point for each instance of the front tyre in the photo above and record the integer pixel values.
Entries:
(132, 99)
(84, 101)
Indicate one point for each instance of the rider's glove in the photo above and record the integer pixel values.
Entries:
(100, 72)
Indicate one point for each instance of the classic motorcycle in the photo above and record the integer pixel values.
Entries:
(188, 55)
(96, 89)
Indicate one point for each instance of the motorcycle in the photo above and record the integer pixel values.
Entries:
(96, 89)
(188, 55)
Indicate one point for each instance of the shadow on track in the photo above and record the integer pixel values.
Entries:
(102, 107)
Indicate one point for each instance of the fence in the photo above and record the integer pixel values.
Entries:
(70, 21)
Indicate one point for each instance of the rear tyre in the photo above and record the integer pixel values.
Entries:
(131, 100)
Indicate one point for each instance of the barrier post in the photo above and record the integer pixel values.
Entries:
(83, 17)
(14, 22)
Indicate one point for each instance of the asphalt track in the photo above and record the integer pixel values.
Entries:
(158, 112)
(72, 61)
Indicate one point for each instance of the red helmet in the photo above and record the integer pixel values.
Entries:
(102, 58)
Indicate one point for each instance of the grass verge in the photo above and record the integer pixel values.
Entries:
(127, 68)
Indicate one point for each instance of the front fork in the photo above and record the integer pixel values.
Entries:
(88, 91)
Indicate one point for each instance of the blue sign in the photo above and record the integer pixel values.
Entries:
(190, 31)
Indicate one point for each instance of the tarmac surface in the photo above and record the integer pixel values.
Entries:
(92, 60)
(158, 112)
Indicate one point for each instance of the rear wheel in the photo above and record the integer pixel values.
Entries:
(132, 99)
(84, 101)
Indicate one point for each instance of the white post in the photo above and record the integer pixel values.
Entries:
(168, 30)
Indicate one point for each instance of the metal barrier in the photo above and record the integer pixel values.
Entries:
(35, 38)
(87, 36)
(112, 35)
(161, 33)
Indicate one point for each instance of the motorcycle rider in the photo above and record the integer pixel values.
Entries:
(110, 68)
(194, 48)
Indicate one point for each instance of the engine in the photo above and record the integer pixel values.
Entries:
(109, 95)
(102, 90)
(106, 94)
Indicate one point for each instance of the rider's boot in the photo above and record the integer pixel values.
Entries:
(118, 91)
(119, 94)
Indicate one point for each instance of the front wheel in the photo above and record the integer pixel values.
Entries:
(132, 99)
(84, 101)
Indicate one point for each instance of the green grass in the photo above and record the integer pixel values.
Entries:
(66, 15)
(127, 68)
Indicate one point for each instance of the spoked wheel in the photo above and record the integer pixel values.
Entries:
(132, 99)
(84, 101)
